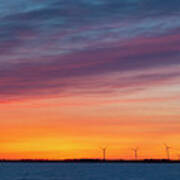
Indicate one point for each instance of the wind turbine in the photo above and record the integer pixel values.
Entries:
(135, 150)
(167, 151)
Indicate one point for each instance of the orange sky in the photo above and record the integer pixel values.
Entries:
(78, 126)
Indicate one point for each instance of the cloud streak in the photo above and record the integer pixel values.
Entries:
(57, 47)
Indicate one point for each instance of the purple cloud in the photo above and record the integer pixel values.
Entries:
(56, 47)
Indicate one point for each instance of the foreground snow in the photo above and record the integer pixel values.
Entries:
(74, 171)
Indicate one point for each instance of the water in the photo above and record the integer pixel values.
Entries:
(89, 171)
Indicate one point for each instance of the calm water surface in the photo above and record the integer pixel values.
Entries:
(89, 171)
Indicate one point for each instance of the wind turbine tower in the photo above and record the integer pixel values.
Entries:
(135, 153)
(167, 148)
(104, 153)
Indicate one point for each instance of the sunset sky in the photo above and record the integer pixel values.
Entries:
(78, 75)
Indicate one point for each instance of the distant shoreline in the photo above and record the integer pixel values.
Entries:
(89, 161)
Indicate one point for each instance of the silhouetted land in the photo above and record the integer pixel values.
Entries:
(90, 161)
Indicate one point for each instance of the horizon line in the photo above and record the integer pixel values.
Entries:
(90, 160)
